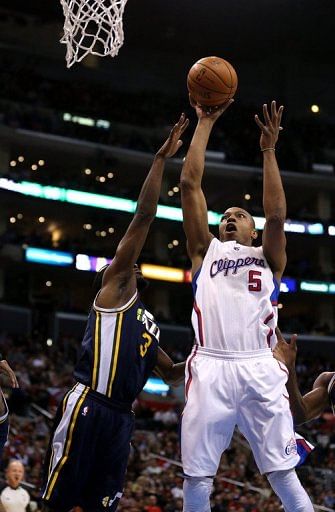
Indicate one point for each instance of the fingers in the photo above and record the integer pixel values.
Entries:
(266, 116)
(181, 125)
(262, 126)
(276, 115)
(279, 116)
(293, 340)
(227, 104)
(9, 372)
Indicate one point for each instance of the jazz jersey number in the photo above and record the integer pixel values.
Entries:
(254, 281)
(144, 346)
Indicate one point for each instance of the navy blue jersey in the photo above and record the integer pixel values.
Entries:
(119, 350)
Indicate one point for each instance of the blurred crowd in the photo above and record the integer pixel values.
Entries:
(31, 99)
(154, 478)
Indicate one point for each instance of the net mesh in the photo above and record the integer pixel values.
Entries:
(92, 27)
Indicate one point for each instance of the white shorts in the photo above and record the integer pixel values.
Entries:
(225, 389)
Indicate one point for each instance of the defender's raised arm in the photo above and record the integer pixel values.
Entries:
(132, 243)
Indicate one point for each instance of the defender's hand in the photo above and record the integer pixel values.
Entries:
(173, 143)
(6, 370)
(284, 351)
(271, 127)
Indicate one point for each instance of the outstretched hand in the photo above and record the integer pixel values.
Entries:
(284, 351)
(173, 143)
(6, 370)
(271, 127)
(212, 113)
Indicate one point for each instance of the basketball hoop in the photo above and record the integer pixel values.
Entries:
(92, 27)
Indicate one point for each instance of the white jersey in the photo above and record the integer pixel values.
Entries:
(235, 298)
(14, 500)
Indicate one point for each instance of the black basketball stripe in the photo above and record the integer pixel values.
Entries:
(207, 88)
(218, 76)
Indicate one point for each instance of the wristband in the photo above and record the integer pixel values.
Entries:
(268, 149)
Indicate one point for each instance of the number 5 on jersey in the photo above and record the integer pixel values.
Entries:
(255, 283)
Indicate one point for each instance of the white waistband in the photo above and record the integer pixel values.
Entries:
(233, 355)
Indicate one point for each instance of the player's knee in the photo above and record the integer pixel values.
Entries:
(288, 488)
(197, 491)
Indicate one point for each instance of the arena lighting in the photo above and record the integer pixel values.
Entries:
(127, 205)
(315, 109)
(288, 285)
(331, 230)
(175, 275)
(86, 121)
(48, 257)
(91, 263)
(172, 274)
(156, 386)
(315, 229)
(309, 286)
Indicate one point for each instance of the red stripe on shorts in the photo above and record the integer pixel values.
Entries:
(305, 445)
(189, 380)
(266, 321)
(198, 312)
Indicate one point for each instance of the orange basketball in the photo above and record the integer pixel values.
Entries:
(212, 81)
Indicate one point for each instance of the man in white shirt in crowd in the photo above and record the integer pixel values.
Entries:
(13, 497)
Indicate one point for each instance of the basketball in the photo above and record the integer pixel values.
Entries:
(212, 81)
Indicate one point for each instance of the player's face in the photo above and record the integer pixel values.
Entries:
(237, 224)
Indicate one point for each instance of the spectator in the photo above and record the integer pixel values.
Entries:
(13, 497)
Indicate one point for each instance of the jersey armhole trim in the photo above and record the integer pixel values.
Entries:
(130, 302)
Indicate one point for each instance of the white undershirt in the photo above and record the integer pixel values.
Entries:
(14, 500)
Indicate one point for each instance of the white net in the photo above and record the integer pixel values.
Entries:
(92, 27)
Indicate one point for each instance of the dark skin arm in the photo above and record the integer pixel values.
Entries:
(195, 215)
(274, 201)
(312, 405)
(119, 281)
(172, 373)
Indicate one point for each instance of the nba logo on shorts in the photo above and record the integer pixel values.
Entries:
(85, 411)
(291, 447)
(107, 501)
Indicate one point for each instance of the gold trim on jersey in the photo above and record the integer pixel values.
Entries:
(97, 345)
(67, 445)
(115, 354)
(115, 311)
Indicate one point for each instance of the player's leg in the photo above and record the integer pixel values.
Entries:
(208, 423)
(108, 470)
(289, 490)
(265, 420)
(71, 450)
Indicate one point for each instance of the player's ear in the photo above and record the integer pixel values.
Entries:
(254, 234)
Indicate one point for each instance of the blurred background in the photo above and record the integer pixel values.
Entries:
(75, 147)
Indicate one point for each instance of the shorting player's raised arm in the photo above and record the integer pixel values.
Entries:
(194, 205)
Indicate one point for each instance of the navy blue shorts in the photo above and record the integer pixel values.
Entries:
(88, 453)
